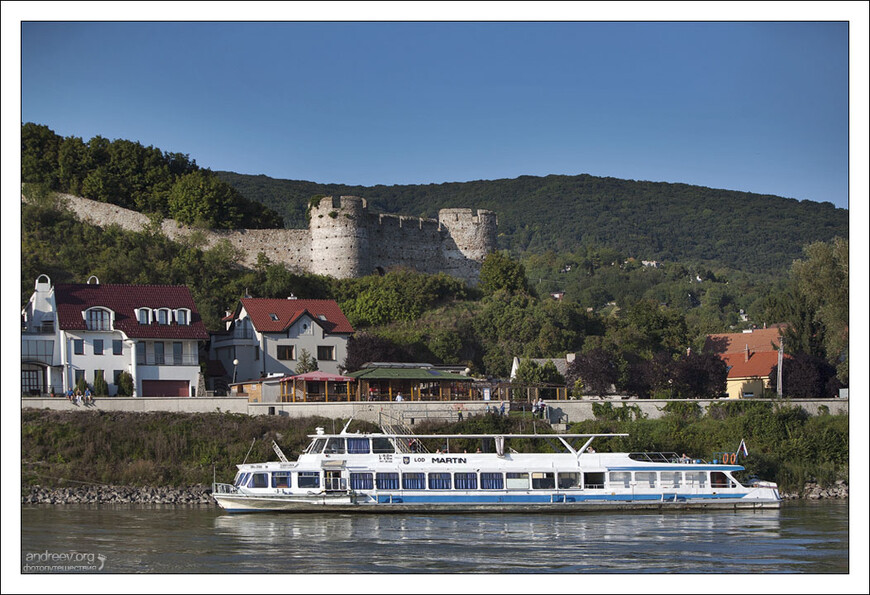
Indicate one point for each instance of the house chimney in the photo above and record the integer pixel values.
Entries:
(570, 357)
(746, 354)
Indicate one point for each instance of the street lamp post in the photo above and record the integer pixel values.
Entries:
(235, 369)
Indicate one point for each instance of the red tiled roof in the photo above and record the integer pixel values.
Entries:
(758, 340)
(288, 311)
(759, 365)
(73, 299)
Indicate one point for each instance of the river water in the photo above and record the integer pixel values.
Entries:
(801, 537)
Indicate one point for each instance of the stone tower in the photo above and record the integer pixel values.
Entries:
(469, 238)
(340, 237)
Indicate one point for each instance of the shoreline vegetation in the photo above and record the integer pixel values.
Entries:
(97, 456)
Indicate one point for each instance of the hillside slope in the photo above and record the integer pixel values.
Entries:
(647, 220)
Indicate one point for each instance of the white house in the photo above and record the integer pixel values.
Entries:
(74, 331)
(560, 363)
(266, 336)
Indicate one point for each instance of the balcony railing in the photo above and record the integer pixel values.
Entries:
(150, 360)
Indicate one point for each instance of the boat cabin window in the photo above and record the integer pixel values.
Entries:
(439, 481)
(517, 481)
(335, 446)
(281, 479)
(671, 479)
(242, 479)
(413, 481)
(543, 481)
(361, 481)
(465, 481)
(620, 478)
(569, 481)
(593, 480)
(387, 481)
(382, 445)
(308, 479)
(357, 446)
(491, 481)
(645, 479)
(317, 446)
(719, 480)
(696, 478)
(260, 480)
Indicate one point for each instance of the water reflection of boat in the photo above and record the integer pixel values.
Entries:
(382, 472)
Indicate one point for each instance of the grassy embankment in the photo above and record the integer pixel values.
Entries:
(175, 449)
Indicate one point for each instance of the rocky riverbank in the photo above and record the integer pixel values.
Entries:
(96, 494)
(813, 491)
(201, 495)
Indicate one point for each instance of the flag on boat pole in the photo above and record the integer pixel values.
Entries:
(742, 448)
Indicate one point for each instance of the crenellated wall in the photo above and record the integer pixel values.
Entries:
(344, 238)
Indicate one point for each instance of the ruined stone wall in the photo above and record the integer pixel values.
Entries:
(469, 237)
(291, 247)
(343, 240)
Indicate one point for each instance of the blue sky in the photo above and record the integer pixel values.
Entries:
(755, 106)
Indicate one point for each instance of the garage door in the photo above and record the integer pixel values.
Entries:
(165, 388)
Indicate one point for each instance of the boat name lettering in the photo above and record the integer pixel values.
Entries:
(449, 460)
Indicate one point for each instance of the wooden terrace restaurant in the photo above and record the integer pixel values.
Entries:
(377, 382)
(382, 382)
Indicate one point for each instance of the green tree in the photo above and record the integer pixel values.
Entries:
(39, 150)
(101, 388)
(501, 272)
(201, 199)
(125, 385)
(306, 362)
(822, 279)
(530, 372)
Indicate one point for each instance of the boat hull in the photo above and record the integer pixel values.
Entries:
(406, 504)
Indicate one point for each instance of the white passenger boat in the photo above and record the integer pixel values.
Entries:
(381, 472)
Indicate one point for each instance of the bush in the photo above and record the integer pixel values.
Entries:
(125, 385)
(101, 388)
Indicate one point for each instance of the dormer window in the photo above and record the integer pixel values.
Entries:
(163, 316)
(98, 319)
(182, 316)
(143, 315)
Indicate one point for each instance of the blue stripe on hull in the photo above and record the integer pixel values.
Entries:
(543, 498)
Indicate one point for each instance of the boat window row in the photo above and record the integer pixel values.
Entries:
(351, 446)
(473, 480)
(670, 479)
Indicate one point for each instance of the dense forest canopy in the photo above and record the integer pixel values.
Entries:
(144, 179)
(642, 220)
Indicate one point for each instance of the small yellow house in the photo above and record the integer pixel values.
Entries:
(750, 356)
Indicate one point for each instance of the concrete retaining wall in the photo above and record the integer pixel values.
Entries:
(560, 411)
(144, 404)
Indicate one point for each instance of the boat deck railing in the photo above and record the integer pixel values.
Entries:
(655, 457)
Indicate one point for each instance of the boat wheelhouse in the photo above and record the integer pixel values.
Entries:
(381, 472)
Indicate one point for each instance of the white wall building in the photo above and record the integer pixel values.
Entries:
(75, 331)
(267, 337)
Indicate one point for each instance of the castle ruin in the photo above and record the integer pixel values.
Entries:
(344, 239)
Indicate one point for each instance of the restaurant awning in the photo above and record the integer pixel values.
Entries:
(318, 376)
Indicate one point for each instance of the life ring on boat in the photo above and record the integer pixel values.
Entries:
(730, 458)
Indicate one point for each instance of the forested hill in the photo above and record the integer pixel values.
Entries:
(646, 220)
